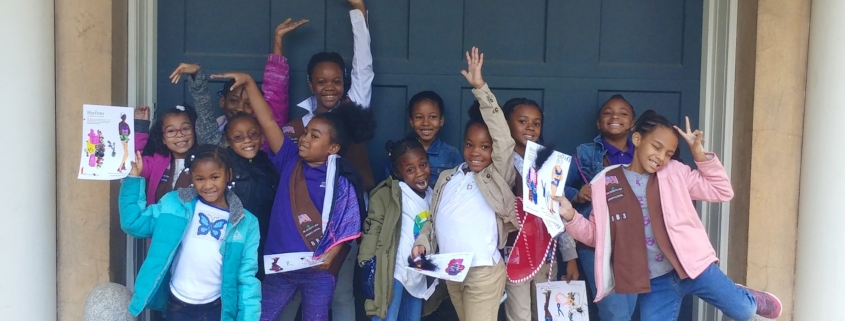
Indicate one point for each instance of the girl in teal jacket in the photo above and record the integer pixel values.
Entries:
(201, 264)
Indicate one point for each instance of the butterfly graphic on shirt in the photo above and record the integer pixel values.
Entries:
(206, 226)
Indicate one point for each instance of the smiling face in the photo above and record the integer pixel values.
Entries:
(526, 123)
(615, 118)
(478, 148)
(234, 101)
(412, 168)
(245, 137)
(315, 144)
(653, 150)
(210, 179)
(178, 134)
(326, 85)
(426, 121)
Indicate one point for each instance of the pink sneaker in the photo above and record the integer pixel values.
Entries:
(768, 305)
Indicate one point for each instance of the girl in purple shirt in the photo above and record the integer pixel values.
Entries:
(316, 209)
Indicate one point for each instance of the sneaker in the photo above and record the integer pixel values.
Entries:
(768, 305)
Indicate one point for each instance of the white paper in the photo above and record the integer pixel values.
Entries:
(108, 142)
(430, 290)
(280, 263)
(565, 302)
(450, 266)
(540, 186)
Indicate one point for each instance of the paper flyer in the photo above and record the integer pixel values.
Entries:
(561, 301)
(108, 142)
(450, 266)
(542, 184)
(279, 263)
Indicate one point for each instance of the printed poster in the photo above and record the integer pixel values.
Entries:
(108, 142)
(450, 266)
(541, 185)
(559, 301)
(279, 263)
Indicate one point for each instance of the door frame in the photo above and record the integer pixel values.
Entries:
(716, 107)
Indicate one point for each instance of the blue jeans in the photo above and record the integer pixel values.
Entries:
(403, 306)
(614, 307)
(181, 311)
(712, 286)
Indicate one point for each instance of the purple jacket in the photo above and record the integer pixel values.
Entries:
(275, 87)
(154, 166)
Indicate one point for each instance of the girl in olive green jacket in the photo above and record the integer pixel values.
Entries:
(399, 206)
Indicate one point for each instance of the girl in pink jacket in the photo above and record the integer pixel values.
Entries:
(647, 234)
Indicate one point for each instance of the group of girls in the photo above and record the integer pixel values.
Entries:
(215, 195)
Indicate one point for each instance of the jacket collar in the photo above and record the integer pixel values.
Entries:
(236, 208)
(434, 149)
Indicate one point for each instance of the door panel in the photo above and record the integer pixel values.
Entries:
(568, 55)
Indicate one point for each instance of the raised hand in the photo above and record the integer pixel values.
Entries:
(567, 212)
(358, 4)
(473, 72)
(695, 139)
(142, 113)
(184, 68)
(239, 77)
(137, 165)
(281, 30)
(287, 26)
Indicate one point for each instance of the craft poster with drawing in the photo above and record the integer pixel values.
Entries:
(108, 142)
(561, 301)
(280, 263)
(450, 266)
(542, 184)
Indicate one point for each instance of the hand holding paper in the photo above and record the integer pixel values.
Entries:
(137, 165)
(567, 212)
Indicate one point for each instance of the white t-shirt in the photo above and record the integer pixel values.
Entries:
(196, 268)
(415, 212)
(465, 222)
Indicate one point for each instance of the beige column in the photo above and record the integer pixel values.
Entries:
(27, 130)
(776, 124)
(821, 224)
(89, 65)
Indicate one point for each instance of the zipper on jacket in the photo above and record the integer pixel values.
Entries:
(169, 262)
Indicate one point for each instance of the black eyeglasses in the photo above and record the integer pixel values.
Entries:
(186, 130)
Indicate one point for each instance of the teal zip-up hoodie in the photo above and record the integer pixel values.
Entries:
(166, 222)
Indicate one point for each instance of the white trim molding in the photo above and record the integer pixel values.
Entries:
(718, 72)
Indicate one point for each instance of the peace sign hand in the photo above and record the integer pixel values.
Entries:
(473, 72)
(137, 165)
(695, 139)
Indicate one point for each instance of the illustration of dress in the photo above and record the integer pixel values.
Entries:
(124, 131)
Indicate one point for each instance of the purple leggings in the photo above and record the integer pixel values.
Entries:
(317, 288)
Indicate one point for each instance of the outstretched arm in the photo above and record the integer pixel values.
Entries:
(271, 129)
(206, 127)
(710, 182)
(277, 74)
(493, 116)
(361, 89)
